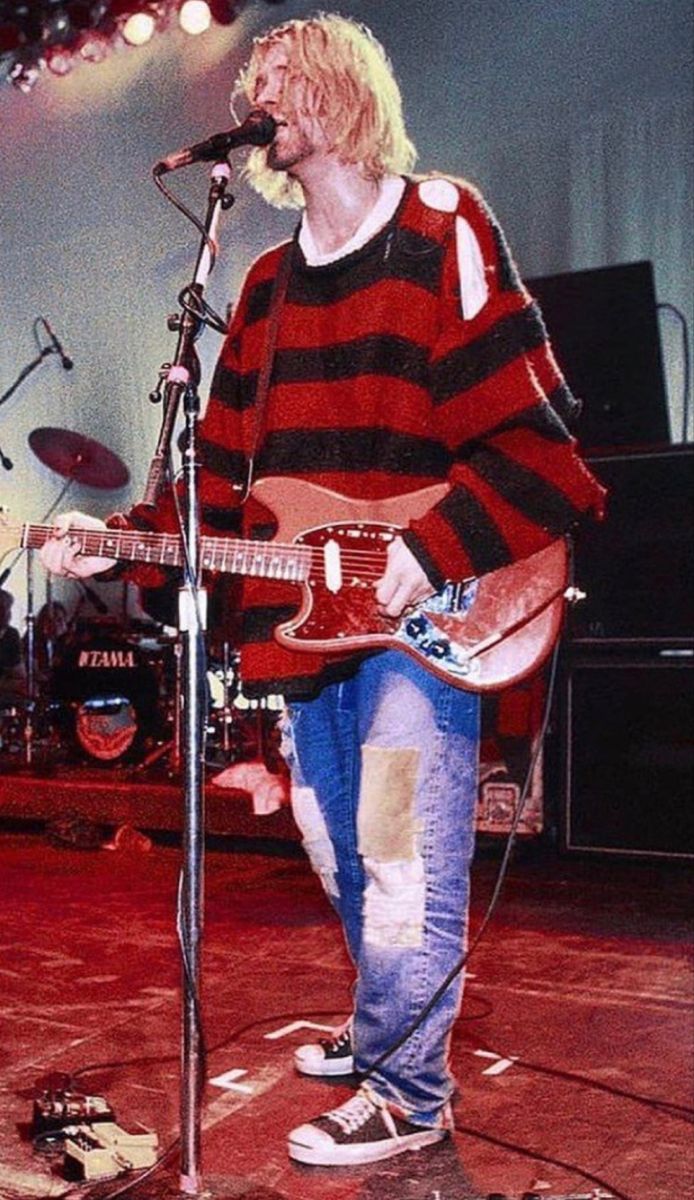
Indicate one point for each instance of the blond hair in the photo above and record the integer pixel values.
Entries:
(354, 96)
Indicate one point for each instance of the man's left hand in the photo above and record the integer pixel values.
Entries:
(403, 583)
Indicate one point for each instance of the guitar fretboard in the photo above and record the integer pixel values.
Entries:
(269, 560)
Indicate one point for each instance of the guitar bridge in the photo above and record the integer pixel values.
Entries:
(419, 632)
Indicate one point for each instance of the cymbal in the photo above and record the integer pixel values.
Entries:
(78, 457)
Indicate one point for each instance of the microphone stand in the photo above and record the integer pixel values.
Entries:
(181, 385)
(25, 371)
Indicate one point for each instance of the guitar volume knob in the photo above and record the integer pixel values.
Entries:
(415, 627)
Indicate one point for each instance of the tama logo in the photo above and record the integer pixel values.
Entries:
(106, 658)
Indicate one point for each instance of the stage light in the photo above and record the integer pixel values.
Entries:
(94, 47)
(56, 34)
(56, 28)
(24, 75)
(60, 60)
(138, 28)
(194, 16)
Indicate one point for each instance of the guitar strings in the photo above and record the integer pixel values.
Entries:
(368, 563)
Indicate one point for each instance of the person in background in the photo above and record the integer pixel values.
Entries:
(12, 675)
(50, 628)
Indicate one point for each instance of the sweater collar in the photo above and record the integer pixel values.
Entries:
(391, 193)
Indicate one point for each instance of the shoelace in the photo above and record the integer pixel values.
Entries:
(355, 1112)
(334, 1043)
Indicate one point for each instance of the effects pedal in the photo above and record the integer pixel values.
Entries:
(54, 1109)
(103, 1150)
(596, 1194)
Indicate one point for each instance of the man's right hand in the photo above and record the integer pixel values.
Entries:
(61, 553)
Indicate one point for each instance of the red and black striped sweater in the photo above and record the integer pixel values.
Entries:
(379, 387)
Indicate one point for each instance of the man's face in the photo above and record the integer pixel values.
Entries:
(299, 134)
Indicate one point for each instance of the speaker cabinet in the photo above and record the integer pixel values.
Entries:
(604, 328)
(636, 566)
(628, 753)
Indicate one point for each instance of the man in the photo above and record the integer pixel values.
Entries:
(407, 353)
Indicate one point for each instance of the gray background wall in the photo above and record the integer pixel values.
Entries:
(574, 116)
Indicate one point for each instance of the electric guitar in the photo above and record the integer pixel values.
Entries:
(482, 635)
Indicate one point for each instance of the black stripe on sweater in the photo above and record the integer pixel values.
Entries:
(232, 389)
(475, 529)
(377, 354)
(373, 449)
(218, 460)
(222, 520)
(397, 254)
(467, 366)
(258, 302)
(541, 419)
(534, 497)
(566, 404)
(509, 278)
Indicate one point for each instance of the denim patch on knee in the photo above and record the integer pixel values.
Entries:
(385, 820)
(394, 903)
(316, 838)
(394, 896)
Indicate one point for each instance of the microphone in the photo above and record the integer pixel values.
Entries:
(64, 358)
(258, 129)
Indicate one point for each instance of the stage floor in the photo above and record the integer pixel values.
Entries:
(573, 1050)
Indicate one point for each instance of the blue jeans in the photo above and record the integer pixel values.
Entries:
(384, 785)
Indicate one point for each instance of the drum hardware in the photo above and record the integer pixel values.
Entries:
(78, 459)
(12, 726)
(106, 694)
(240, 728)
(172, 747)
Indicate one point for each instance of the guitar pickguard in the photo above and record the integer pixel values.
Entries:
(349, 612)
(344, 606)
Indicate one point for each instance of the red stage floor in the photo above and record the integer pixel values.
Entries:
(573, 1050)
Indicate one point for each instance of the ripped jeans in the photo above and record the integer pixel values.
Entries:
(384, 785)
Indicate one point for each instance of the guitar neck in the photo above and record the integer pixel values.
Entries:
(234, 556)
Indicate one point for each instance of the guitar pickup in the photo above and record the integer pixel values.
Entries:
(332, 564)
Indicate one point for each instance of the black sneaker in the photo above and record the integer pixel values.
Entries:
(327, 1056)
(364, 1129)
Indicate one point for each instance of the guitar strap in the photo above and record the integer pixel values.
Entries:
(279, 291)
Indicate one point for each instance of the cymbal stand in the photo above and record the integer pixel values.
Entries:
(30, 642)
(30, 665)
(25, 371)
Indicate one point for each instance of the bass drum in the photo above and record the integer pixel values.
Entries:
(105, 696)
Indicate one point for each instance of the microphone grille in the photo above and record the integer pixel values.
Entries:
(261, 127)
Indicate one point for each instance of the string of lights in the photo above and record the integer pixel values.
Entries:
(57, 35)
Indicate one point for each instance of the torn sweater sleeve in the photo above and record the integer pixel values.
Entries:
(501, 406)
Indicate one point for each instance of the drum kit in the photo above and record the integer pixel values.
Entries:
(107, 691)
